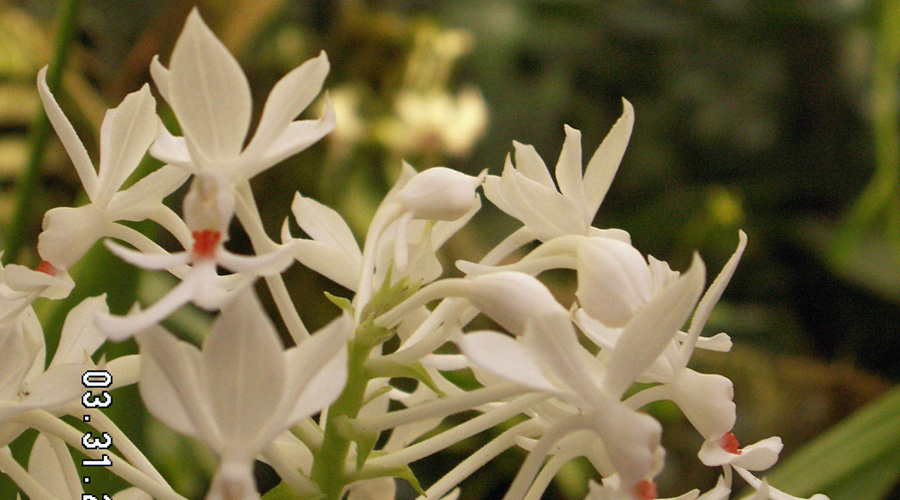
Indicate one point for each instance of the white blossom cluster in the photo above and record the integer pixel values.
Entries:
(315, 411)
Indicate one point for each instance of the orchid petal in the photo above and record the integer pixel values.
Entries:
(552, 216)
(568, 173)
(80, 336)
(118, 328)
(707, 402)
(298, 136)
(125, 135)
(145, 196)
(69, 138)
(68, 233)
(502, 356)
(602, 167)
(711, 297)
(324, 224)
(237, 359)
(511, 298)
(288, 98)
(148, 261)
(161, 77)
(209, 93)
(55, 387)
(531, 166)
(172, 385)
(171, 150)
(274, 262)
(759, 456)
(613, 281)
(329, 262)
(53, 467)
(652, 328)
(317, 370)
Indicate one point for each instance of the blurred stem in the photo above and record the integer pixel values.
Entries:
(66, 14)
(879, 196)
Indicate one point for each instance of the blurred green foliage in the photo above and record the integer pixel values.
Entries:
(778, 117)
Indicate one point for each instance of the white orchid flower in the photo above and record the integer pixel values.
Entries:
(208, 209)
(527, 191)
(210, 96)
(24, 383)
(51, 466)
(614, 283)
(125, 135)
(242, 389)
(549, 358)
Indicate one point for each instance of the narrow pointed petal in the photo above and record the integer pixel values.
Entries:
(711, 297)
(57, 386)
(148, 261)
(494, 189)
(161, 78)
(145, 196)
(551, 216)
(288, 98)
(53, 468)
(209, 93)
(652, 328)
(172, 385)
(118, 328)
(298, 136)
(274, 262)
(171, 150)
(80, 336)
(327, 261)
(324, 224)
(568, 173)
(69, 138)
(504, 357)
(318, 370)
(125, 135)
(241, 355)
(530, 164)
(602, 167)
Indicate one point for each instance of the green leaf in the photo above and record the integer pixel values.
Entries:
(858, 458)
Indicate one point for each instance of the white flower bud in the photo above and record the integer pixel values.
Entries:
(439, 194)
(614, 281)
(511, 298)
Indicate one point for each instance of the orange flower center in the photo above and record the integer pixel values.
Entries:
(205, 243)
(645, 490)
(729, 443)
(46, 268)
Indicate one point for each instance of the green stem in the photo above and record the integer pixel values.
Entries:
(328, 466)
(15, 235)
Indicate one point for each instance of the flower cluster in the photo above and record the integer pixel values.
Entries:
(318, 411)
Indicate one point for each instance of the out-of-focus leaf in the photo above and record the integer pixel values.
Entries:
(857, 459)
(871, 262)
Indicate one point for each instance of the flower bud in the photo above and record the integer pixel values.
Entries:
(614, 281)
(511, 298)
(439, 194)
